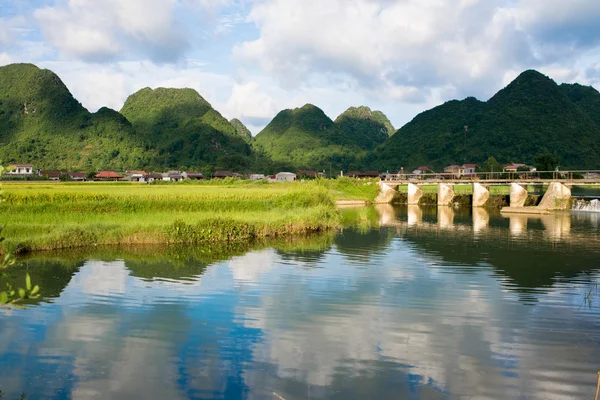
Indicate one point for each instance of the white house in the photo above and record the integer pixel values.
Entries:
(256, 177)
(285, 177)
(20, 169)
(422, 170)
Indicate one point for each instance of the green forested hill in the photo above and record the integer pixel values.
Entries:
(41, 122)
(306, 138)
(185, 130)
(241, 129)
(586, 97)
(530, 116)
(363, 127)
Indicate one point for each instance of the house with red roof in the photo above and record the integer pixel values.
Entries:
(422, 170)
(108, 176)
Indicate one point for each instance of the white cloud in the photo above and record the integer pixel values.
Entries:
(5, 59)
(100, 30)
(409, 49)
(248, 100)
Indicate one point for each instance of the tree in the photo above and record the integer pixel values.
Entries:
(546, 161)
(491, 165)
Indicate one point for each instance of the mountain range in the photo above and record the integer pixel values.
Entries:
(42, 123)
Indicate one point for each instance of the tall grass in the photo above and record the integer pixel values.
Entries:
(57, 216)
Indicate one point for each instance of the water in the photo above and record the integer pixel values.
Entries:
(432, 304)
(586, 205)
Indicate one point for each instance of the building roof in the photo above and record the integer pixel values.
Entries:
(470, 166)
(77, 174)
(195, 174)
(108, 175)
(51, 174)
(454, 167)
(155, 175)
(144, 173)
(21, 165)
(423, 168)
(515, 165)
(286, 173)
(222, 174)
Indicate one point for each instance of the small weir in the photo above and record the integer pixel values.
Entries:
(586, 205)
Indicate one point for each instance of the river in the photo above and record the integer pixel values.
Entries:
(414, 303)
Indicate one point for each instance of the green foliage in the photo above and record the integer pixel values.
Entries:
(241, 129)
(530, 116)
(546, 161)
(364, 127)
(306, 138)
(41, 123)
(124, 213)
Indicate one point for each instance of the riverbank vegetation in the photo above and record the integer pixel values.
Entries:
(58, 216)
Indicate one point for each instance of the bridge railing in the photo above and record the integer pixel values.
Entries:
(508, 176)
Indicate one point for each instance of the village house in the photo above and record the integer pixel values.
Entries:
(225, 174)
(470, 169)
(456, 170)
(23, 170)
(108, 176)
(285, 177)
(78, 176)
(154, 177)
(193, 175)
(256, 177)
(136, 176)
(51, 175)
(514, 167)
(172, 176)
(422, 170)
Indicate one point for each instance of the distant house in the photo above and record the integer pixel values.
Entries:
(154, 177)
(514, 167)
(172, 176)
(456, 171)
(78, 176)
(256, 177)
(108, 176)
(422, 170)
(285, 177)
(193, 175)
(20, 170)
(136, 176)
(51, 175)
(224, 174)
(469, 169)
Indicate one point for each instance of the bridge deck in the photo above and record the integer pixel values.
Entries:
(571, 182)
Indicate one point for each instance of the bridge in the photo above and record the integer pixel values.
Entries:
(555, 185)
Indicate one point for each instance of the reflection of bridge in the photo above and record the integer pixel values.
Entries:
(557, 226)
(557, 194)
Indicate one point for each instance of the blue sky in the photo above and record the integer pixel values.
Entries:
(252, 58)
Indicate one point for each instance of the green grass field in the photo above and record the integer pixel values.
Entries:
(55, 216)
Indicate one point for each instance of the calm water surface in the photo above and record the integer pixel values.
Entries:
(433, 304)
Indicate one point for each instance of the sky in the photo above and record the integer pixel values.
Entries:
(252, 58)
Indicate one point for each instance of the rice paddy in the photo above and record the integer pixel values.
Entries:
(58, 216)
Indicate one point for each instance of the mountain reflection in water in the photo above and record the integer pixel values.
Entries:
(419, 303)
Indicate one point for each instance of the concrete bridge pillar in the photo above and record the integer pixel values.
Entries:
(414, 194)
(445, 194)
(481, 194)
(386, 194)
(557, 197)
(518, 195)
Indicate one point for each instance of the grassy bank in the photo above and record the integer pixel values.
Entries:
(58, 216)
